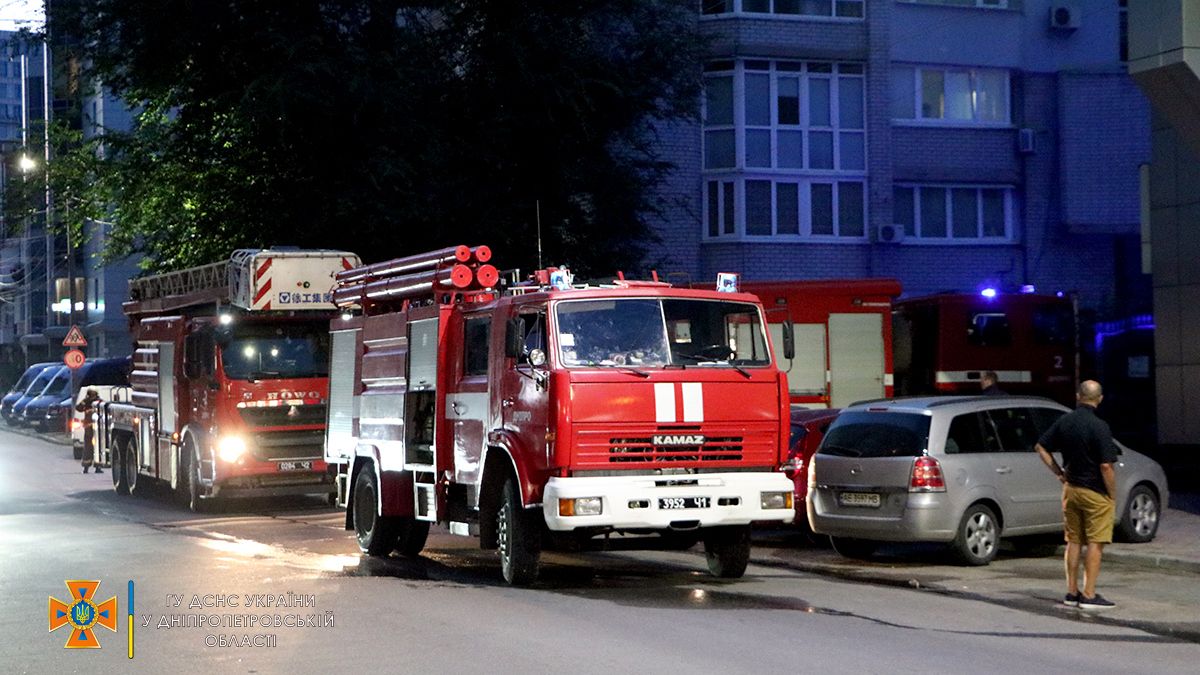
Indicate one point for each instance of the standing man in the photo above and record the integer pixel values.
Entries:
(988, 384)
(90, 397)
(1089, 490)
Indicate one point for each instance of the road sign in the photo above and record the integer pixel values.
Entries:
(74, 338)
(74, 358)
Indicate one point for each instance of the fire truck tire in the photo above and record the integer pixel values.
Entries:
(377, 535)
(129, 454)
(118, 468)
(412, 533)
(727, 550)
(519, 538)
(189, 480)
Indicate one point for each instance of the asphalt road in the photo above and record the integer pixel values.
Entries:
(448, 612)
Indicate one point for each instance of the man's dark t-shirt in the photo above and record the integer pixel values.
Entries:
(1085, 442)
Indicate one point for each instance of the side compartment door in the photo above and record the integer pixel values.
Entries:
(420, 415)
(467, 402)
(855, 358)
(155, 452)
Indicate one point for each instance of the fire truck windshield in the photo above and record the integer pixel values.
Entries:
(650, 332)
(276, 351)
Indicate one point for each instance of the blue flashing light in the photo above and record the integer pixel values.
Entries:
(1058, 294)
(1028, 288)
(988, 293)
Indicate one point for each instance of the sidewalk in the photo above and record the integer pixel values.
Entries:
(1177, 545)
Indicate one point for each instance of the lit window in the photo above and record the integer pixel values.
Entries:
(977, 96)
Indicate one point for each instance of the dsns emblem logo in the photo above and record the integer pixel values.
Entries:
(83, 614)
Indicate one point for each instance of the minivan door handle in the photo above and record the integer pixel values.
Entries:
(1003, 469)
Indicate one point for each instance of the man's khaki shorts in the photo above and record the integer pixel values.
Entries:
(1087, 516)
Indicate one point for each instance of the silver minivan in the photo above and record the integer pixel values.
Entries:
(956, 469)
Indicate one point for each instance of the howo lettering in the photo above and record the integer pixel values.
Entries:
(229, 385)
(546, 414)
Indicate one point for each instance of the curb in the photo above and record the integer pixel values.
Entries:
(1153, 560)
(57, 439)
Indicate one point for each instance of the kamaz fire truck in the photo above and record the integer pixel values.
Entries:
(230, 378)
(548, 413)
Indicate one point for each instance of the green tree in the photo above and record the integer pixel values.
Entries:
(385, 127)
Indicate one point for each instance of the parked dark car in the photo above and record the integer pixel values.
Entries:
(18, 389)
(808, 428)
(35, 389)
(58, 416)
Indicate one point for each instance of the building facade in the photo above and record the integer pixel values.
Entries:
(951, 144)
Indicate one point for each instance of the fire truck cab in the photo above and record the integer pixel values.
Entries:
(550, 413)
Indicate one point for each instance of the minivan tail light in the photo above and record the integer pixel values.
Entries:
(926, 476)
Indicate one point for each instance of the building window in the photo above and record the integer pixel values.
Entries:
(986, 4)
(1123, 29)
(954, 213)
(785, 149)
(974, 96)
(843, 9)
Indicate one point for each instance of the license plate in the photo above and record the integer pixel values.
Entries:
(684, 502)
(869, 499)
(305, 465)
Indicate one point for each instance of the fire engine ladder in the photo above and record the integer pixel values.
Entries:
(384, 287)
(183, 288)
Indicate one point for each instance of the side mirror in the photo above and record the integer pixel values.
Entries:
(789, 340)
(514, 342)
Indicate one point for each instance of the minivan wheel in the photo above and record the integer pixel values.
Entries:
(1139, 522)
(978, 536)
(858, 549)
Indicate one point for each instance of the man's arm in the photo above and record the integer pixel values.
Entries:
(1110, 479)
(1049, 461)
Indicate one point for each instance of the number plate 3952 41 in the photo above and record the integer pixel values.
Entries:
(684, 502)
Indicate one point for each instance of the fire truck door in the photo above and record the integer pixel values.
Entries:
(525, 401)
(855, 358)
(467, 404)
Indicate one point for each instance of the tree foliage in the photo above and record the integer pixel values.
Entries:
(385, 127)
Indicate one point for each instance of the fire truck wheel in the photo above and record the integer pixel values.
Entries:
(519, 539)
(118, 468)
(135, 486)
(727, 550)
(376, 534)
(189, 480)
(412, 535)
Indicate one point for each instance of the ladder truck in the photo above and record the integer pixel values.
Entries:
(230, 378)
(552, 414)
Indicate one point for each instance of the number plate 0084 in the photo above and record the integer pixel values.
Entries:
(684, 502)
(305, 465)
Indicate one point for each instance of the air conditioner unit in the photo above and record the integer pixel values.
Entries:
(1064, 16)
(1026, 141)
(889, 233)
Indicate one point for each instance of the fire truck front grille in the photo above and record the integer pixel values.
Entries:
(284, 415)
(643, 449)
(273, 445)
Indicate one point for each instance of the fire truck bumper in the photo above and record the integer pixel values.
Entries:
(274, 486)
(667, 502)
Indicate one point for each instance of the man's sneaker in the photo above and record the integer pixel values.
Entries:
(1097, 602)
(98, 470)
(1071, 599)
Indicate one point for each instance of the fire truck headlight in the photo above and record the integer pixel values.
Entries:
(582, 506)
(230, 448)
(776, 500)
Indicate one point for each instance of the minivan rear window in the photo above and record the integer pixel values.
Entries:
(872, 434)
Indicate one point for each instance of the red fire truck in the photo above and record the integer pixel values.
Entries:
(230, 378)
(944, 343)
(548, 413)
(843, 330)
